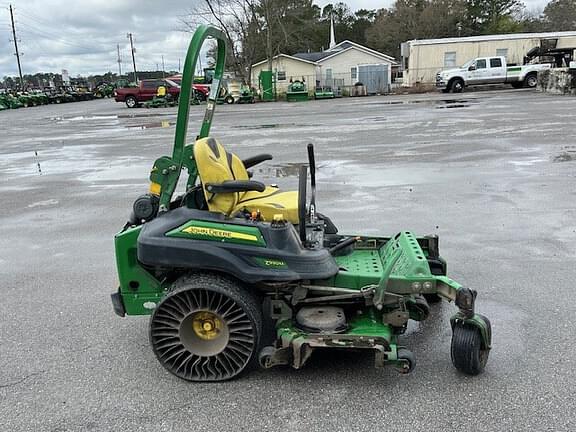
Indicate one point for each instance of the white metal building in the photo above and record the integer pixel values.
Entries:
(422, 59)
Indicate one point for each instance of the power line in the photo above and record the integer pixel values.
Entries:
(46, 35)
(43, 32)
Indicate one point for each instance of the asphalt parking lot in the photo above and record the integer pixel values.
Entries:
(492, 173)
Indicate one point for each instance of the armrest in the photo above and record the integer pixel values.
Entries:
(231, 186)
(255, 160)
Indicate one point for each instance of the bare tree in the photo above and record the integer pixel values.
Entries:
(238, 20)
(258, 28)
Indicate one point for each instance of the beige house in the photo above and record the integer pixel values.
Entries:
(340, 67)
(286, 68)
(422, 59)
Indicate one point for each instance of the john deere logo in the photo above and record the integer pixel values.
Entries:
(217, 233)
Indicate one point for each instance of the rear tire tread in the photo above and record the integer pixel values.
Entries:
(466, 350)
(241, 351)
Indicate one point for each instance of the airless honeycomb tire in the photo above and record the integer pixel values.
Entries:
(207, 329)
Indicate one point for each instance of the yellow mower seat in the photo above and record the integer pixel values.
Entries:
(216, 165)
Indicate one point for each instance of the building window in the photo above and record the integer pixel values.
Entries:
(502, 52)
(281, 75)
(495, 62)
(354, 73)
(450, 59)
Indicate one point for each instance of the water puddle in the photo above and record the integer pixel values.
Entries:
(97, 117)
(151, 125)
(378, 119)
(276, 126)
(453, 106)
(281, 170)
(565, 156)
(439, 103)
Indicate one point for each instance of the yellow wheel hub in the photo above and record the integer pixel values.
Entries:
(206, 325)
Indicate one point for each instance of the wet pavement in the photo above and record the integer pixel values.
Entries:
(494, 176)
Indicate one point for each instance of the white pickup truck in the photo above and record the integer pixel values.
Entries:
(488, 70)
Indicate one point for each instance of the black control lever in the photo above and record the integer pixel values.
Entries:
(312, 163)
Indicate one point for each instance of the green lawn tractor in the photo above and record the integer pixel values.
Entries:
(234, 273)
(297, 91)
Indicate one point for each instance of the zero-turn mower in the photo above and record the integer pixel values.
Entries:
(162, 99)
(236, 273)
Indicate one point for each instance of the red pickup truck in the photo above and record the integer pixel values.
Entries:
(147, 89)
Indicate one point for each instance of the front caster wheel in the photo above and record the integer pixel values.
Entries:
(207, 329)
(407, 361)
(467, 353)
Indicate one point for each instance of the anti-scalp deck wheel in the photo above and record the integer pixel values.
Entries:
(466, 351)
(207, 329)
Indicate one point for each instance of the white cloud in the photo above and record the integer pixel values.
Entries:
(81, 36)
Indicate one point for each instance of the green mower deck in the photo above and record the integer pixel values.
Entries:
(230, 289)
(324, 93)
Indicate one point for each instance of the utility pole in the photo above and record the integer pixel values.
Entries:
(129, 35)
(178, 65)
(119, 61)
(17, 54)
(163, 70)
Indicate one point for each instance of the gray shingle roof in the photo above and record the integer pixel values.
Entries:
(313, 56)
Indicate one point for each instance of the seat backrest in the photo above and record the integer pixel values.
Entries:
(216, 165)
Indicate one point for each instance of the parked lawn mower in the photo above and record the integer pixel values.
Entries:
(163, 99)
(297, 91)
(104, 90)
(10, 101)
(25, 100)
(38, 97)
(246, 95)
(324, 93)
(234, 272)
(59, 96)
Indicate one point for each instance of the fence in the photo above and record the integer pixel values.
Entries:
(368, 80)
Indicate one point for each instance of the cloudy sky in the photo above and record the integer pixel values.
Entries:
(81, 36)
